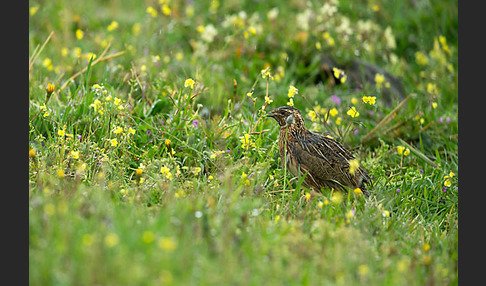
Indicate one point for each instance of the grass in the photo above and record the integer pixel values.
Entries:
(139, 177)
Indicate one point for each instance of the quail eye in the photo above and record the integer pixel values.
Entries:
(290, 119)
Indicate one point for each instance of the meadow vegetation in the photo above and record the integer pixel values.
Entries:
(151, 161)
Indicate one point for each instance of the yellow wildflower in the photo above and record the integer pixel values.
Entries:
(167, 243)
(443, 42)
(357, 191)
(307, 196)
(432, 88)
(113, 26)
(292, 91)
(333, 112)
(33, 10)
(369, 99)
(60, 174)
(312, 114)
(339, 74)
(74, 154)
(336, 198)
(353, 112)
(421, 58)
(379, 80)
(89, 55)
(406, 152)
(268, 100)
(196, 170)
(62, 132)
(97, 106)
(447, 183)
(79, 34)
(113, 142)
(118, 130)
(400, 150)
(164, 170)
(266, 73)
(167, 142)
(189, 82)
(47, 63)
(246, 141)
(290, 102)
(152, 11)
(166, 9)
(349, 214)
(434, 105)
(180, 194)
(330, 41)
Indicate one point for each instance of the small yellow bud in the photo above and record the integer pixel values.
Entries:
(50, 88)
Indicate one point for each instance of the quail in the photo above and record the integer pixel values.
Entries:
(324, 161)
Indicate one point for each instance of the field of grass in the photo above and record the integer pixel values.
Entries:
(151, 161)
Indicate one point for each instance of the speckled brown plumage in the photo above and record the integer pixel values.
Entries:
(323, 159)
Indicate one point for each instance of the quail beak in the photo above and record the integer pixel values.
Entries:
(270, 114)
